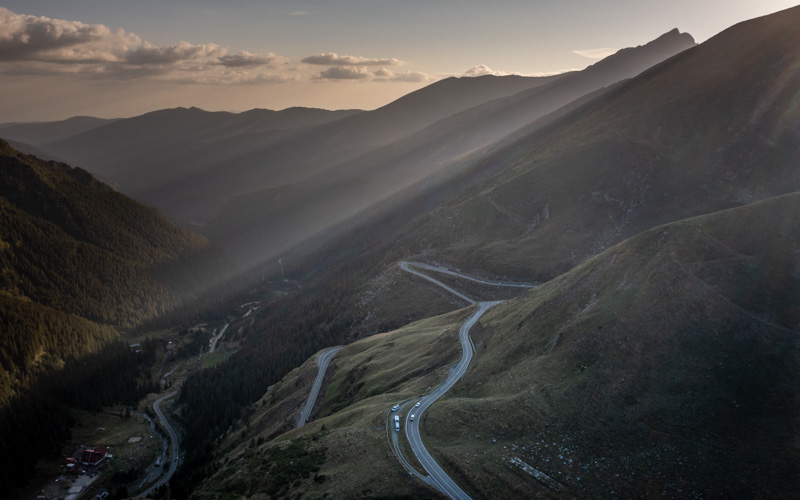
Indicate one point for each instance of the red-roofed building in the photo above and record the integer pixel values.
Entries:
(93, 456)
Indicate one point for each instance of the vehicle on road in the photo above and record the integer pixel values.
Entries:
(395, 407)
(397, 423)
(412, 417)
(418, 403)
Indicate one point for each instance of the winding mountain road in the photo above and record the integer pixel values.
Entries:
(323, 359)
(447, 485)
(442, 481)
(216, 338)
(173, 438)
(405, 266)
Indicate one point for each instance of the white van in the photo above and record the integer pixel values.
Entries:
(412, 417)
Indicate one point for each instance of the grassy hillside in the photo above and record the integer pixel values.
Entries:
(344, 452)
(667, 365)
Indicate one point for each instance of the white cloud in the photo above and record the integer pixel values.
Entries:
(385, 75)
(31, 38)
(482, 70)
(333, 59)
(299, 13)
(148, 54)
(40, 45)
(246, 59)
(344, 73)
(595, 53)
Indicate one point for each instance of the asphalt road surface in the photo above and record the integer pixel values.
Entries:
(173, 438)
(216, 339)
(323, 359)
(442, 481)
(446, 485)
(406, 266)
(442, 270)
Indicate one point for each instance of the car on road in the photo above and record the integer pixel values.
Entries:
(412, 417)
(397, 423)
(395, 407)
(418, 403)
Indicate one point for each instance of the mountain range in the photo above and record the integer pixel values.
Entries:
(265, 181)
(657, 358)
(651, 201)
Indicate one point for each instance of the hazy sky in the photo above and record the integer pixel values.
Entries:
(109, 58)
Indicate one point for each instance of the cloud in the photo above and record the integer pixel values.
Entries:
(482, 70)
(40, 45)
(344, 73)
(332, 59)
(148, 54)
(595, 53)
(31, 38)
(299, 13)
(385, 75)
(246, 59)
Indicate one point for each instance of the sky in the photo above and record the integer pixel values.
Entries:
(120, 58)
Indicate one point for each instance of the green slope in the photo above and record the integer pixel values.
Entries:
(667, 365)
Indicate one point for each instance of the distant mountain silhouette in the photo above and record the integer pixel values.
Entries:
(41, 133)
(349, 187)
(189, 162)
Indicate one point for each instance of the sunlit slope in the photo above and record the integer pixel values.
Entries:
(344, 451)
(668, 364)
(169, 157)
(189, 162)
(712, 128)
(273, 220)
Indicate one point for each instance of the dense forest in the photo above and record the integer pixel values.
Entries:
(78, 261)
(36, 423)
(72, 243)
(74, 255)
(38, 339)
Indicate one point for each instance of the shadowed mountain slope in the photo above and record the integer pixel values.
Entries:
(72, 243)
(712, 128)
(78, 263)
